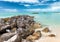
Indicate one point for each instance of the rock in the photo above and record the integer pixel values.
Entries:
(24, 25)
(24, 20)
(37, 33)
(46, 30)
(36, 25)
(6, 19)
(13, 22)
(35, 13)
(52, 35)
(13, 29)
(6, 36)
(18, 39)
(19, 35)
(13, 25)
(34, 36)
(1, 40)
(4, 28)
(24, 32)
(31, 38)
(10, 21)
(1, 22)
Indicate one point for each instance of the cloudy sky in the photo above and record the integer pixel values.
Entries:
(29, 5)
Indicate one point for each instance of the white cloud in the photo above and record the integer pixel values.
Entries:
(55, 7)
(28, 1)
(8, 10)
(33, 10)
(27, 5)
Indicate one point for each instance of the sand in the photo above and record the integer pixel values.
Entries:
(54, 30)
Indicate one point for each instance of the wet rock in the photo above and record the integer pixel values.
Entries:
(52, 35)
(46, 30)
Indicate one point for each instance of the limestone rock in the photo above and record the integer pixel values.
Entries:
(6, 36)
(24, 32)
(23, 25)
(34, 36)
(36, 25)
(4, 28)
(46, 30)
(13, 29)
(18, 39)
(52, 35)
(6, 19)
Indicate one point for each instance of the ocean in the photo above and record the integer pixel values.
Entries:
(48, 18)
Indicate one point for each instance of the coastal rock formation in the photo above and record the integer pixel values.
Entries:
(1, 22)
(13, 29)
(6, 36)
(20, 24)
(34, 36)
(23, 26)
(4, 28)
(36, 25)
(52, 35)
(46, 30)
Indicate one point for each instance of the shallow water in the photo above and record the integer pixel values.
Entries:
(44, 18)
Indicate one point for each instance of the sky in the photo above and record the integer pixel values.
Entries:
(29, 5)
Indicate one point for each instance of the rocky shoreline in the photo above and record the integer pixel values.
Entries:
(23, 26)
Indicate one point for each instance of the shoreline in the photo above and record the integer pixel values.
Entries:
(55, 30)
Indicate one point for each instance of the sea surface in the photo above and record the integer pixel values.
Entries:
(48, 18)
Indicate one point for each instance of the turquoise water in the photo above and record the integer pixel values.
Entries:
(43, 18)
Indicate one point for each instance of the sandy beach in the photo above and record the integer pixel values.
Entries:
(55, 30)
